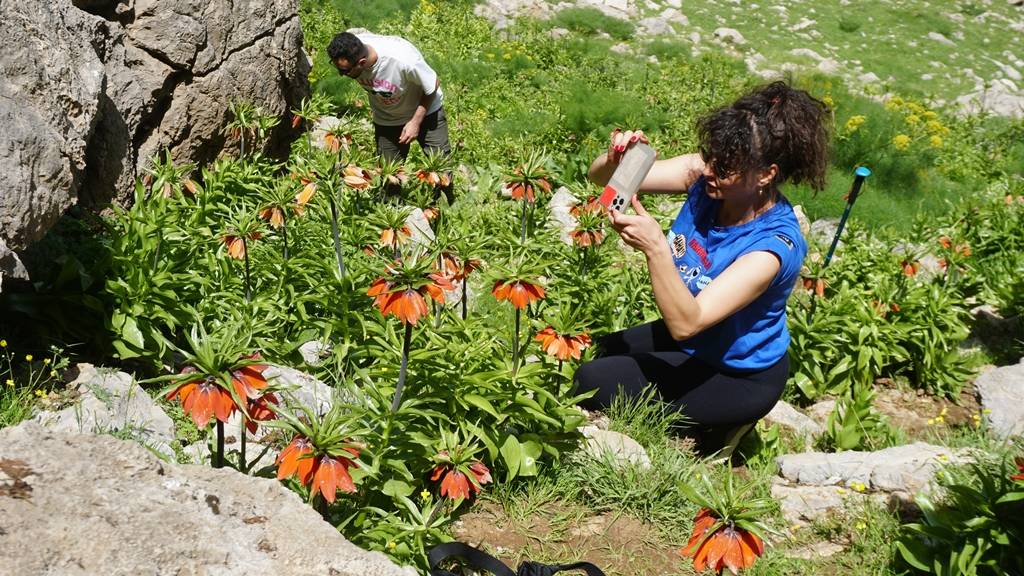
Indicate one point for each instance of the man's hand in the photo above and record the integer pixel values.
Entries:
(640, 231)
(410, 132)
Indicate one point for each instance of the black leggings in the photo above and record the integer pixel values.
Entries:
(632, 359)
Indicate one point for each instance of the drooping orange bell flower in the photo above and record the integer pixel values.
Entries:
(260, 411)
(455, 270)
(296, 460)
(519, 292)
(456, 485)
(393, 238)
(587, 238)
(727, 547)
(562, 346)
(202, 399)
(304, 196)
(525, 190)
(434, 178)
(1019, 462)
(330, 474)
(909, 268)
(408, 304)
(357, 178)
(236, 247)
(274, 215)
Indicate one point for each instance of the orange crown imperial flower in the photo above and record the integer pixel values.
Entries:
(433, 178)
(562, 346)
(456, 485)
(586, 238)
(519, 292)
(202, 399)
(725, 547)
(236, 247)
(406, 302)
(330, 474)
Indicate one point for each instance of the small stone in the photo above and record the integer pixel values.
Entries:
(785, 415)
(623, 449)
(1002, 399)
(730, 35)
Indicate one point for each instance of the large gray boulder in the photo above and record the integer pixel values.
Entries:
(93, 89)
(87, 504)
(1001, 391)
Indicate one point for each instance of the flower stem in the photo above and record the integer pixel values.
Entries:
(284, 235)
(248, 285)
(465, 280)
(241, 456)
(402, 368)
(334, 234)
(218, 461)
(515, 346)
(522, 225)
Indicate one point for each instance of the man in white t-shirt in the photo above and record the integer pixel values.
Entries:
(405, 94)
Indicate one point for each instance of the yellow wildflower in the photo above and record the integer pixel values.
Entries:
(507, 56)
(929, 115)
(855, 122)
(943, 458)
(3, 343)
(392, 545)
(945, 410)
(860, 526)
(490, 55)
(829, 101)
(40, 393)
(931, 421)
(893, 103)
(912, 119)
(986, 411)
(425, 495)
(10, 382)
(915, 107)
(46, 361)
(53, 373)
(859, 486)
(901, 142)
(28, 357)
(840, 491)
(935, 141)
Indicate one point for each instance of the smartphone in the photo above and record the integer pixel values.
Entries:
(626, 179)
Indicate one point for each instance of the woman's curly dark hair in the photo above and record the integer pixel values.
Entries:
(773, 124)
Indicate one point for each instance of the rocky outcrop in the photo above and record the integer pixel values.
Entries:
(93, 89)
(98, 505)
(1002, 396)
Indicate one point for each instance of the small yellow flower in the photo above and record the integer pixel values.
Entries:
(860, 526)
(859, 486)
(507, 56)
(40, 393)
(46, 361)
(931, 421)
(929, 115)
(986, 411)
(943, 458)
(901, 142)
(392, 545)
(10, 382)
(28, 357)
(912, 119)
(489, 55)
(855, 122)
(3, 343)
(945, 410)
(53, 373)
(935, 127)
(935, 141)
(829, 101)
(425, 495)
(840, 491)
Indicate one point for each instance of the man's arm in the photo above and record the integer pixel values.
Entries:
(411, 130)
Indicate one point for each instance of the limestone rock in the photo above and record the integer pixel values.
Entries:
(560, 218)
(10, 265)
(301, 388)
(314, 351)
(112, 402)
(422, 233)
(98, 505)
(822, 231)
(802, 505)
(785, 415)
(820, 411)
(908, 468)
(89, 98)
(1002, 393)
(626, 451)
(1002, 97)
(730, 35)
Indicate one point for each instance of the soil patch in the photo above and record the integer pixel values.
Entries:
(916, 412)
(561, 533)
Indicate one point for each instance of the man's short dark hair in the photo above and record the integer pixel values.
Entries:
(346, 45)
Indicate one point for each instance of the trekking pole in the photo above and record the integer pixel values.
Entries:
(859, 175)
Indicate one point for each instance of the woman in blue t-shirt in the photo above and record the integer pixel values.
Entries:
(722, 276)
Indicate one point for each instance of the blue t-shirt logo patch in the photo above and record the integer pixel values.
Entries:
(785, 240)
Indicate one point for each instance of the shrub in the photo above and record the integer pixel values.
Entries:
(592, 21)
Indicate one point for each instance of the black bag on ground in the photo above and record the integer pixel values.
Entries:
(483, 561)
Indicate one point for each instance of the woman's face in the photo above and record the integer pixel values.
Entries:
(732, 186)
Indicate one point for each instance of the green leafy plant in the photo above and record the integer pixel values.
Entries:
(974, 527)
